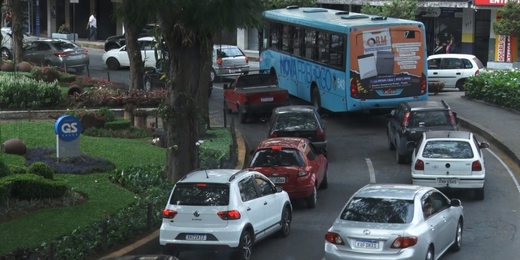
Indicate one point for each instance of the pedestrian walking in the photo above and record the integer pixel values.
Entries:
(92, 25)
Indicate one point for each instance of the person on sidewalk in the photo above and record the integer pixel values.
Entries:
(92, 24)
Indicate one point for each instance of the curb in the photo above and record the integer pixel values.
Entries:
(154, 237)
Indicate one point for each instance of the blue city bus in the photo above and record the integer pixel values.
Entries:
(344, 61)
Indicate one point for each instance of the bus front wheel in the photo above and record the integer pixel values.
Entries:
(316, 100)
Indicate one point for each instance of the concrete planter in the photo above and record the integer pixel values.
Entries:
(500, 65)
(140, 121)
(66, 36)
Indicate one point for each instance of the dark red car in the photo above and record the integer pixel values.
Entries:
(294, 163)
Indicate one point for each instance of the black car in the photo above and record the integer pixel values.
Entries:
(156, 78)
(411, 119)
(118, 41)
(298, 121)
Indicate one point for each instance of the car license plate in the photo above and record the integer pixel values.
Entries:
(197, 237)
(266, 99)
(389, 91)
(277, 179)
(234, 71)
(76, 57)
(444, 181)
(368, 244)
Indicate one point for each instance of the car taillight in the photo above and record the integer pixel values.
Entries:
(419, 165)
(423, 83)
(273, 134)
(404, 242)
(476, 166)
(229, 215)
(354, 93)
(320, 135)
(406, 119)
(84, 51)
(452, 118)
(334, 238)
(477, 72)
(219, 62)
(168, 213)
(61, 54)
(247, 59)
(302, 173)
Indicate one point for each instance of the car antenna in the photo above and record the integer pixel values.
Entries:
(207, 177)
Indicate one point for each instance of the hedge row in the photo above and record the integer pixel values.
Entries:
(21, 91)
(498, 87)
(31, 186)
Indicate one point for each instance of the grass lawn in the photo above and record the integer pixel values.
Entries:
(104, 197)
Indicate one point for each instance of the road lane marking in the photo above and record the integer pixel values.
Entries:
(507, 168)
(371, 171)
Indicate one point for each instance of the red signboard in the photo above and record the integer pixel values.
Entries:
(491, 2)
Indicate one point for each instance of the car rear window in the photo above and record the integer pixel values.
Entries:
(200, 194)
(296, 122)
(429, 118)
(478, 62)
(61, 46)
(447, 149)
(277, 157)
(229, 52)
(378, 210)
(254, 81)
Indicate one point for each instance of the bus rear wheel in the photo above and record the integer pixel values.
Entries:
(316, 100)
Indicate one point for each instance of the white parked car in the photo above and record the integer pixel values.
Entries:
(117, 58)
(450, 159)
(223, 209)
(396, 221)
(453, 69)
(7, 41)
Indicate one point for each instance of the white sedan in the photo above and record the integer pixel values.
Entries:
(453, 69)
(117, 58)
(450, 159)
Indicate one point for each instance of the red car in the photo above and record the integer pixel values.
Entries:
(295, 164)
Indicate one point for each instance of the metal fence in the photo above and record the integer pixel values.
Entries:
(218, 118)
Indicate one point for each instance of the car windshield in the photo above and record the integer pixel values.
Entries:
(448, 149)
(378, 210)
(429, 118)
(296, 122)
(229, 52)
(254, 81)
(61, 46)
(277, 157)
(200, 194)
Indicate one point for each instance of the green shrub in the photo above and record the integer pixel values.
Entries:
(118, 124)
(15, 169)
(107, 114)
(66, 77)
(23, 92)
(498, 87)
(32, 186)
(4, 169)
(5, 189)
(41, 169)
(129, 133)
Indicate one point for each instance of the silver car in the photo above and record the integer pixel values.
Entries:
(396, 221)
(229, 60)
(59, 53)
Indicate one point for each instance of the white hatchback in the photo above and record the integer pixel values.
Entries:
(223, 209)
(117, 58)
(453, 69)
(449, 159)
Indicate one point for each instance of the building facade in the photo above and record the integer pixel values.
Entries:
(469, 21)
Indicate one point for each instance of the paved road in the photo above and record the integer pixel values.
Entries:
(98, 69)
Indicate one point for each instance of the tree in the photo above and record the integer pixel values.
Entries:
(405, 9)
(273, 4)
(135, 14)
(509, 24)
(18, 28)
(188, 29)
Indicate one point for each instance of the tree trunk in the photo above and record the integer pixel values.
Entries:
(18, 29)
(136, 61)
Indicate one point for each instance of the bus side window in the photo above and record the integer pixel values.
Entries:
(296, 41)
(324, 47)
(286, 38)
(309, 44)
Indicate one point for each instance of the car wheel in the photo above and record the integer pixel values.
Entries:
(6, 53)
(245, 247)
(479, 194)
(79, 69)
(460, 85)
(429, 254)
(458, 238)
(324, 184)
(399, 158)
(228, 110)
(242, 116)
(286, 223)
(391, 145)
(313, 199)
(167, 251)
(147, 84)
(112, 64)
(316, 100)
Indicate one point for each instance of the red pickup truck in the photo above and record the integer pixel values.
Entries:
(254, 94)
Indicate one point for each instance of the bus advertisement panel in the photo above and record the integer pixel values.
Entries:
(387, 63)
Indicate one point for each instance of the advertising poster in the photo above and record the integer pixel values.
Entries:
(387, 62)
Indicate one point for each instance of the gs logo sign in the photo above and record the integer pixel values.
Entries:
(68, 128)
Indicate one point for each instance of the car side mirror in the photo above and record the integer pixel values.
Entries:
(278, 189)
(455, 203)
(484, 145)
(410, 145)
(225, 86)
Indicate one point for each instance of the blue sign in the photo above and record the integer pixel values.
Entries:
(68, 128)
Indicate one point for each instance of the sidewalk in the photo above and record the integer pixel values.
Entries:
(90, 44)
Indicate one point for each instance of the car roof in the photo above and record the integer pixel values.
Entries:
(451, 55)
(218, 46)
(284, 142)
(394, 191)
(211, 176)
(448, 134)
(297, 108)
(147, 38)
(430, 104)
